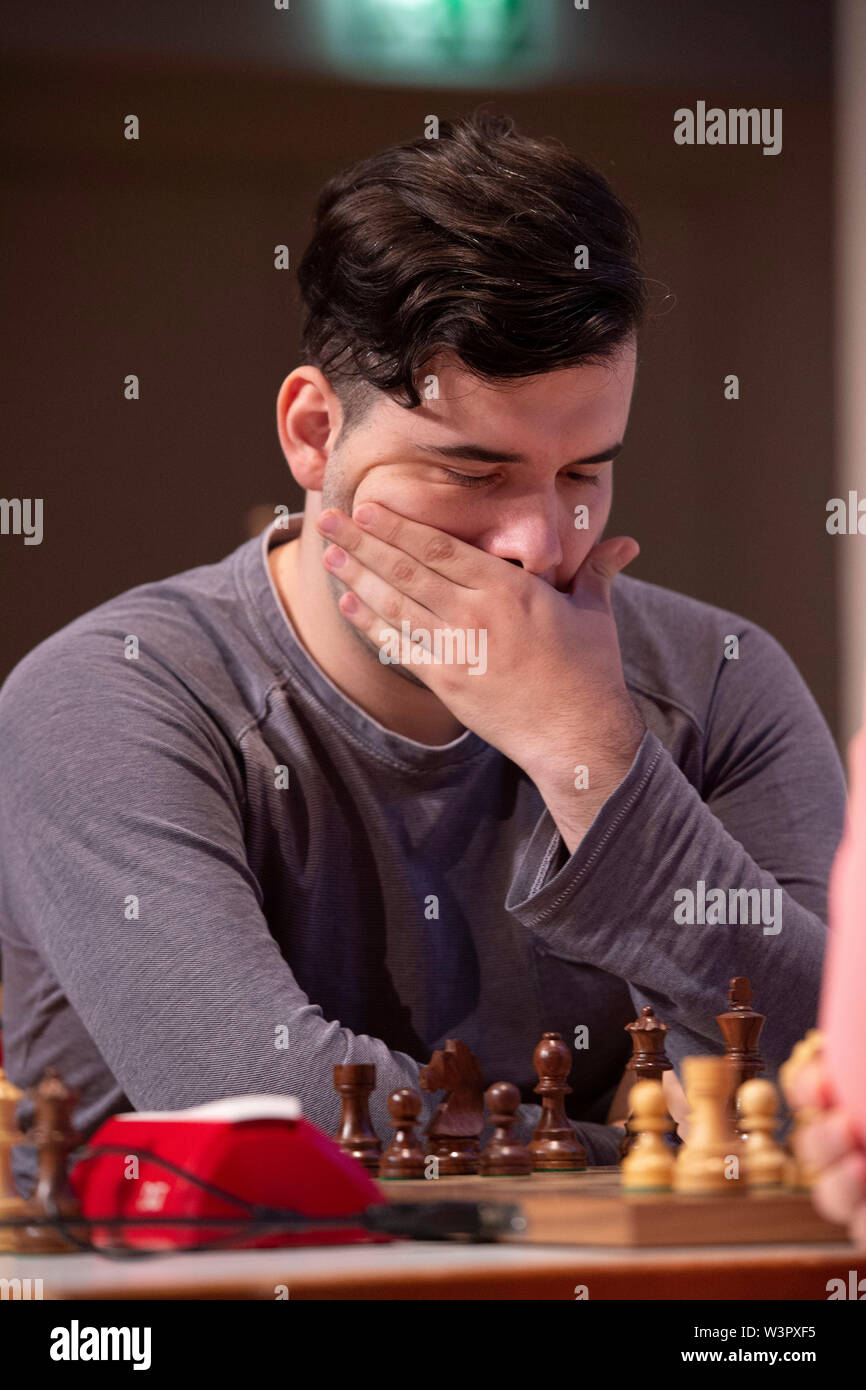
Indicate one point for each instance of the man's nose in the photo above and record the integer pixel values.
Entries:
(531, 542)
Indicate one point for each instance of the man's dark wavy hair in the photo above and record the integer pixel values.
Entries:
(466, 243)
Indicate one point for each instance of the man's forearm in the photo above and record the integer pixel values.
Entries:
(614, 905)
(575, 786)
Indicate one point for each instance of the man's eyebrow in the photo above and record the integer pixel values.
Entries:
(477, 453)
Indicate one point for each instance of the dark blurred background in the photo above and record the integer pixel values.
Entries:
(156, 257)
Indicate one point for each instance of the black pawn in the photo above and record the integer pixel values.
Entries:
(504, 1155)
(404, 1156)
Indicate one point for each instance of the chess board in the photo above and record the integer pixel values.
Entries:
(590, 1208)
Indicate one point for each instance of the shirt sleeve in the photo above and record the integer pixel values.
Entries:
(123, 864)
(768, 817)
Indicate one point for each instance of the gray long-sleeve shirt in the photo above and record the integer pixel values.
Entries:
(218, 875)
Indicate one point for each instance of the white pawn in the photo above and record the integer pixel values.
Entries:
(809, 1049)
(764, 1159)
(649, 1164)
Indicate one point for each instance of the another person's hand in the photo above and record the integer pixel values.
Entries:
(828, 1142)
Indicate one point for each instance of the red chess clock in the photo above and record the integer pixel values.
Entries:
(257, 1148)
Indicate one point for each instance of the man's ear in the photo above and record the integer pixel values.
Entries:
(309, 418)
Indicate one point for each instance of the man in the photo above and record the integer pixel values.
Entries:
(421, 763)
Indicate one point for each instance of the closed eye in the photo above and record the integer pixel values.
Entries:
(474, 480)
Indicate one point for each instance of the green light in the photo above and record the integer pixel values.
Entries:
(443, 42)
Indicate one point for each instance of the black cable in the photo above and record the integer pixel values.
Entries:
(473, 1221)
(245, 1228)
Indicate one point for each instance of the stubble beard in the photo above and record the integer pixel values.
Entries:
(337, 493)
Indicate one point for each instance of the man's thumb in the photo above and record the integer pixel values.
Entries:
(604, 562)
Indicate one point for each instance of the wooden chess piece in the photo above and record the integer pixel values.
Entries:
(11, 1204)
(504, 1156)
(354, 1082)
(764, 1159)
(554, 1145)
(52, 1201)
(404, 1156)
(453, 1133)
(648, 1061)
(709, 1161)
(649, 1165)
(807, 1050)
(798, 1174)
(741, 1028)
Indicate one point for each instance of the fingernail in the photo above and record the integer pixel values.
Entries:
(328, 523)
(335, 557)
(364, 515)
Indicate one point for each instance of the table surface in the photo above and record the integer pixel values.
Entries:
(438, 1270)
